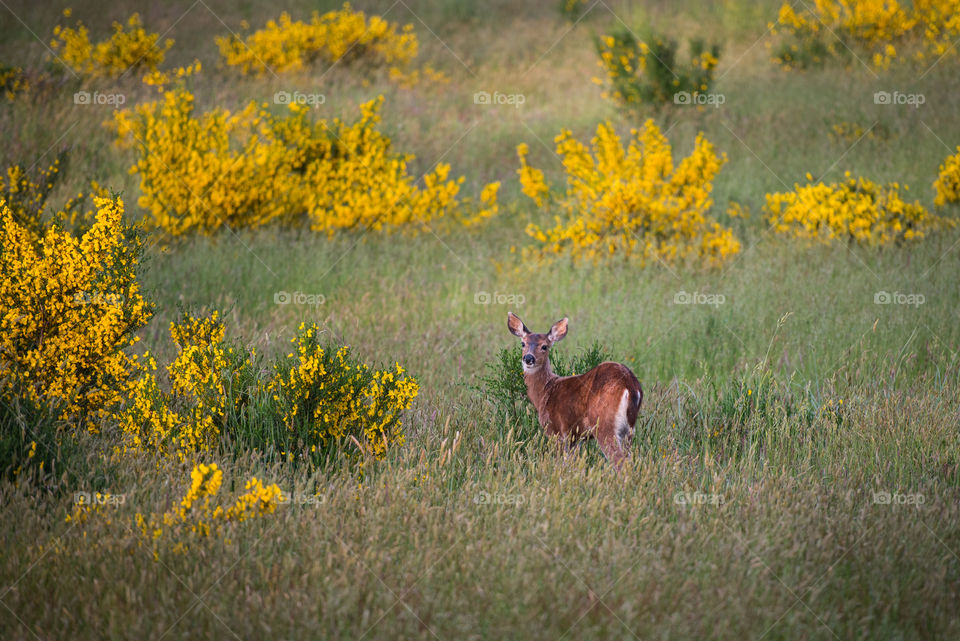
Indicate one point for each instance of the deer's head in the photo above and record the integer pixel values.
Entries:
(536, 347)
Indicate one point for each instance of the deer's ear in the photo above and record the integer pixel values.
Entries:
(558, 331)
(516, 326)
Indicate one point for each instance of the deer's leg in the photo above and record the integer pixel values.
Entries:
(611, 445)
(558, 438)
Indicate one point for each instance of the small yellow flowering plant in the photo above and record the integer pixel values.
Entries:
(856, 210)
(326, 400)
(130, 47)
(851, 132)
(207, 383)
(639, 73)
(287, 45)
(630, 202)
(202, 513)
(13, 82)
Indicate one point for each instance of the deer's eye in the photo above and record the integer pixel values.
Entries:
(522, 344)
(544, 348)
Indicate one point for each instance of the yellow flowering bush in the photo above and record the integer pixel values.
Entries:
(189, 415)
(13, 82)
(324, 399)
(350, 176)
(640, 73)
(880, 30)
(856, 210)
(287, 45)
(947, 184)
(200, 172)
(69, 306)
(130, 47)
(317, 401)
(245, 169)
(630, 202)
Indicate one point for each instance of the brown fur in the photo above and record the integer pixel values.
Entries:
(583, 406)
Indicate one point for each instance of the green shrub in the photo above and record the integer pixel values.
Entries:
(640, 73)
(39, 447)
(573, 10)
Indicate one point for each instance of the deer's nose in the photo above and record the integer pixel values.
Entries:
(529, 359)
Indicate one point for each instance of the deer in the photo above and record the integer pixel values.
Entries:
(602, 403)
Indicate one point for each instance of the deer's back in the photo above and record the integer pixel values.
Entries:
(578, 403)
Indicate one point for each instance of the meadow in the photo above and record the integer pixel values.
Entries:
(796, 468)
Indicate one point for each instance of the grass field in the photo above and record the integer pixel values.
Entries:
(796, 470)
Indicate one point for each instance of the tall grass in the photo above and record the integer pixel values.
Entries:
(796, 470)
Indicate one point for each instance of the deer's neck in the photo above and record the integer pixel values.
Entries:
(539, 384)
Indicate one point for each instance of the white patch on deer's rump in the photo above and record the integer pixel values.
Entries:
(623, 429)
